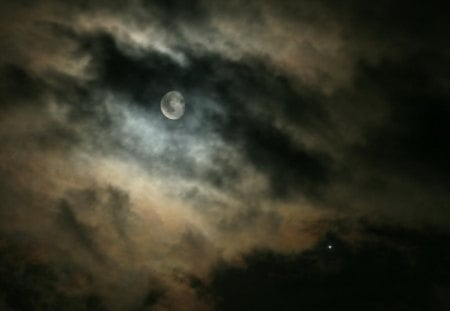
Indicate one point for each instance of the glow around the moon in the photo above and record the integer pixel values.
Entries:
(172, 105)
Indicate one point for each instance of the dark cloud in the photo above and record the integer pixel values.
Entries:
(174, 12)
(249, 216)
(82, 233)
(119, 202)
(412, 24)
(29, 282)
(235, 86)
(17, 86)
(394, 269)
(151, 299)
(107, 207)
(414, 139)
(400, 164)
(272, 152)
(300, 118)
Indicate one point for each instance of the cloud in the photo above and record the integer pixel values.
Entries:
(235, 87)
(390, 269)
(80, 231)
(300, 118)
(18, 86)
(31, 281)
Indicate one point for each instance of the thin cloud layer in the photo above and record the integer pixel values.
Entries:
(301, 119)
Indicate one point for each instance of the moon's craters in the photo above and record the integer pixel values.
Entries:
(173, 105)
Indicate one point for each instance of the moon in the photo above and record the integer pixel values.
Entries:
(172, 105)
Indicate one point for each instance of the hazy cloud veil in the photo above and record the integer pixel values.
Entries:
(306, 125)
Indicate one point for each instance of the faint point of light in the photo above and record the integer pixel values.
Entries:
(330, 246)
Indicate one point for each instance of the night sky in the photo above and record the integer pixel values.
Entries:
(310, 170)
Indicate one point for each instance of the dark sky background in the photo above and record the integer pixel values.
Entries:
(310, 170)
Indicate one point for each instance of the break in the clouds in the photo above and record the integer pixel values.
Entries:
(306, 125)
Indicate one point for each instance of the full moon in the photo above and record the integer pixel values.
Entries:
(172, 105)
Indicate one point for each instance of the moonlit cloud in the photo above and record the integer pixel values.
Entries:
(307, 125)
